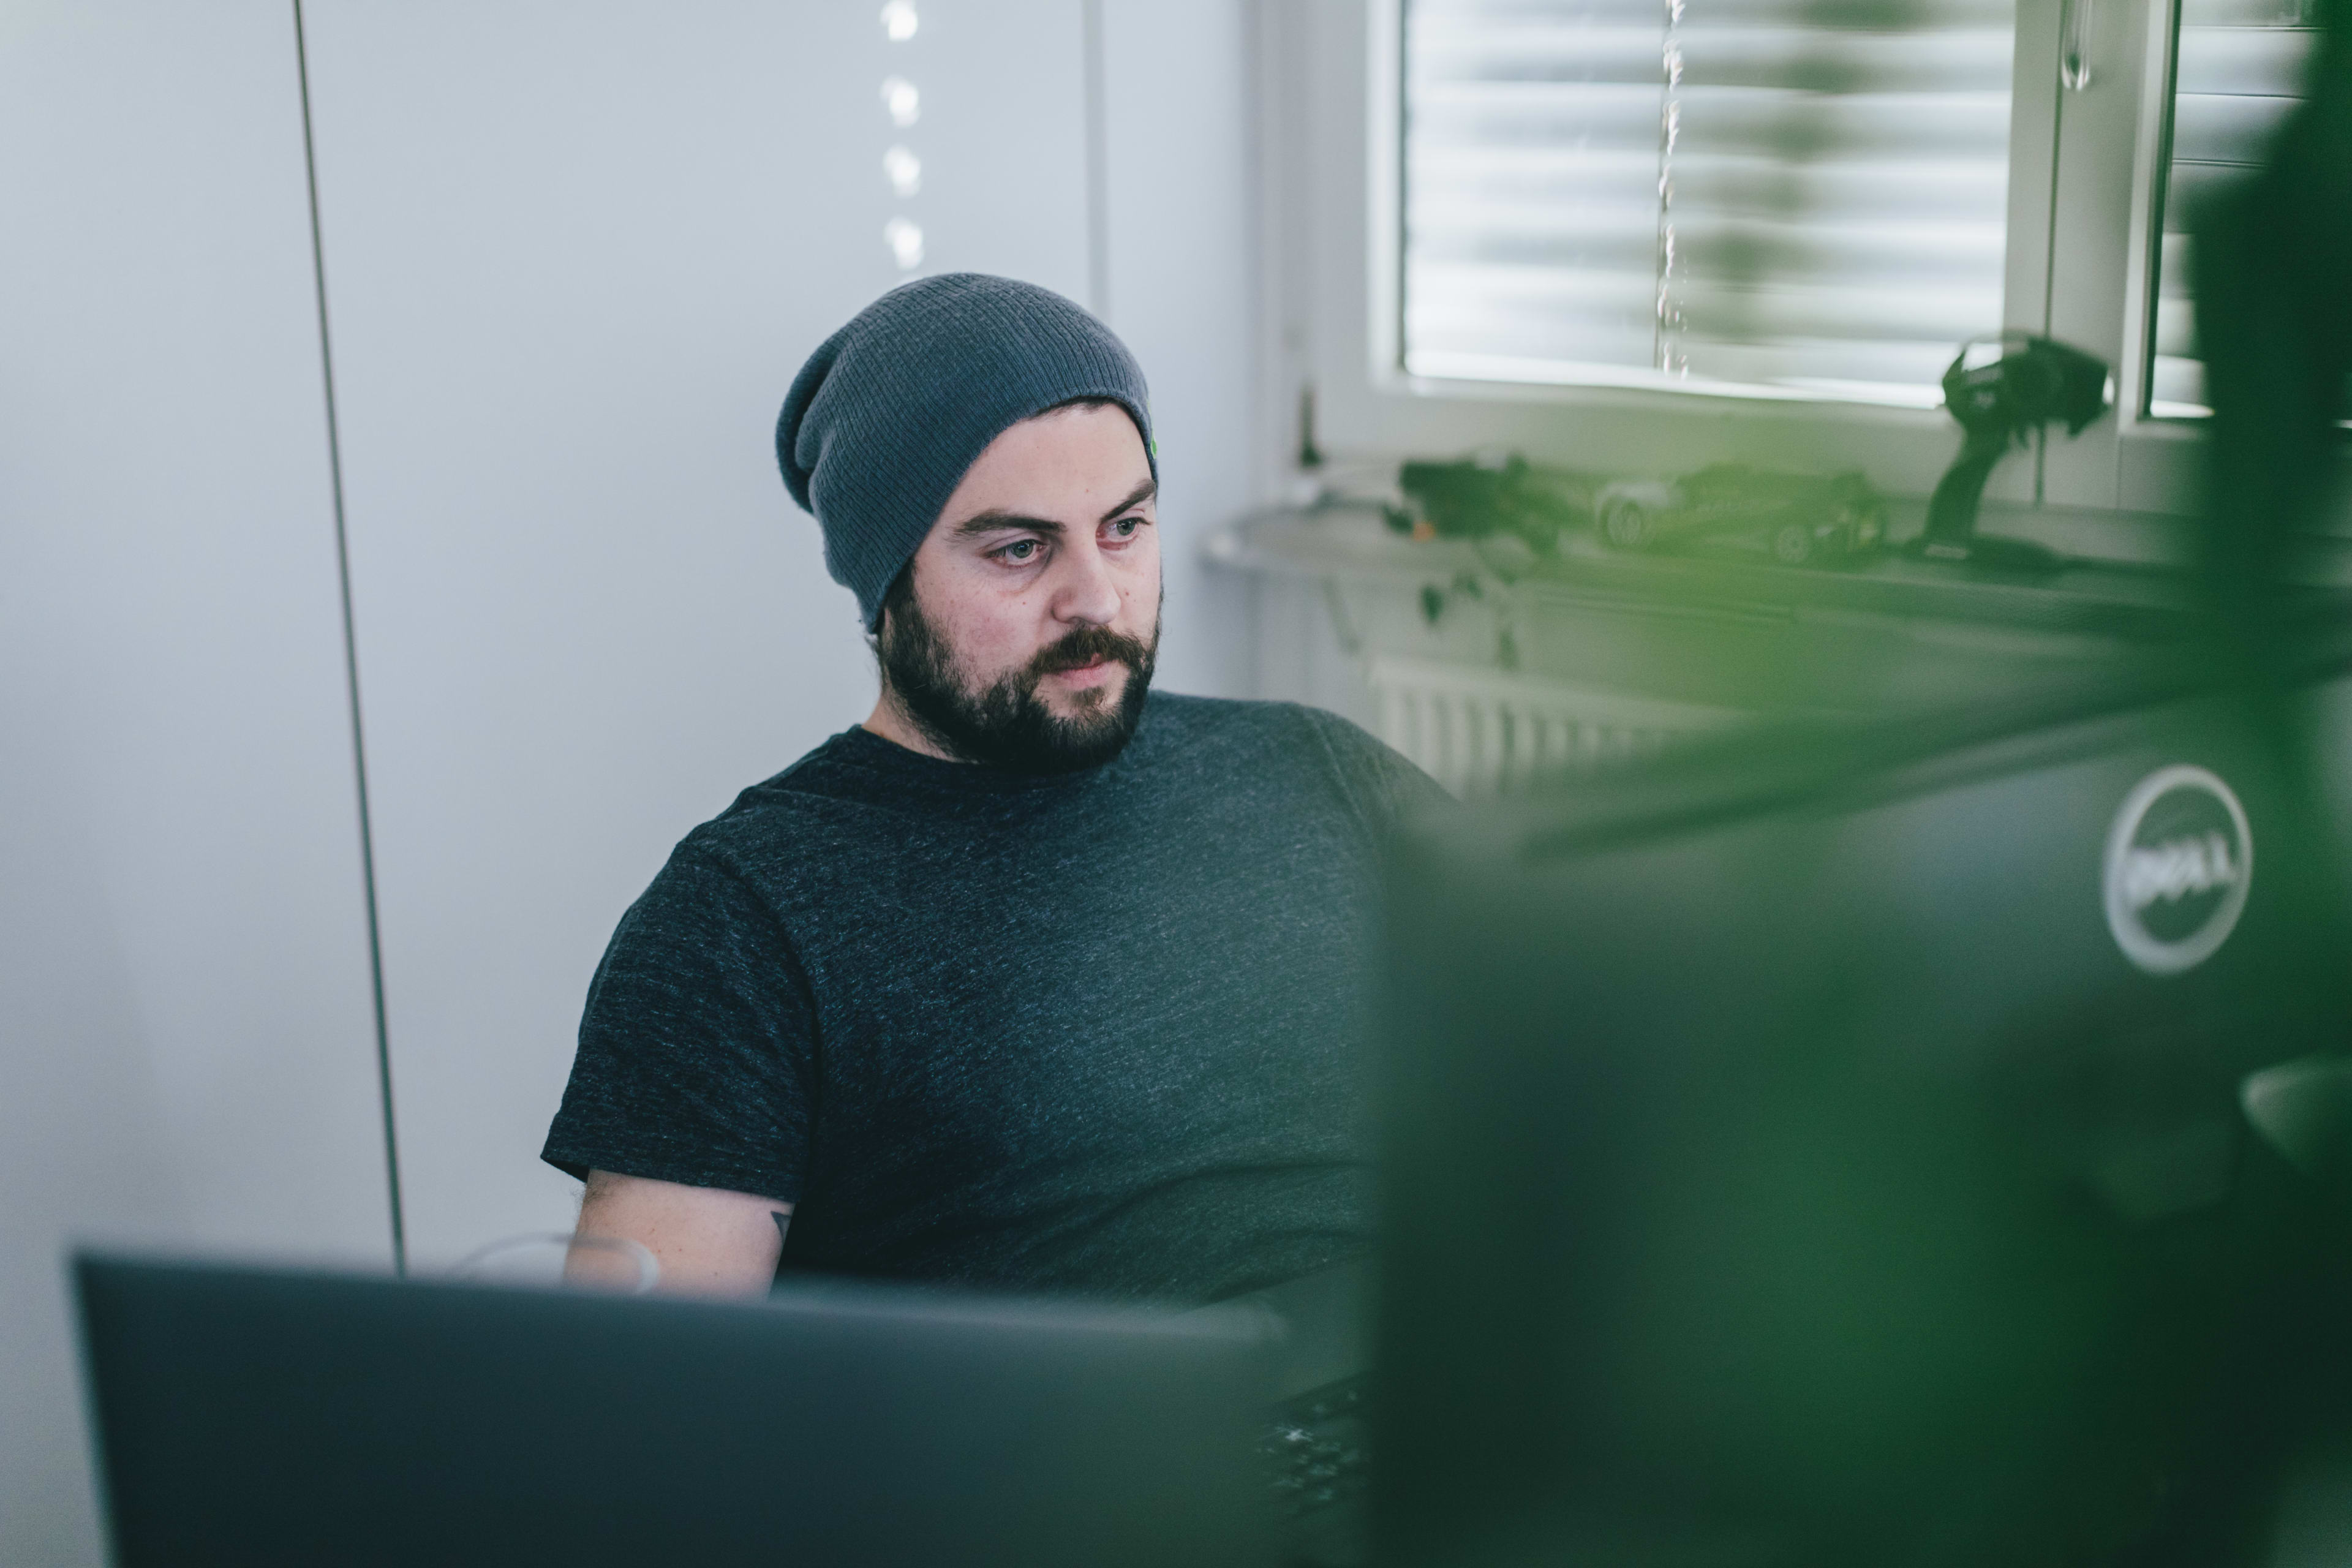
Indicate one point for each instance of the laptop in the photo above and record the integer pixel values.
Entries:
(262, 1416)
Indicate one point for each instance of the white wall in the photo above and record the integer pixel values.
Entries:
(187, 1049)
(1180, 174)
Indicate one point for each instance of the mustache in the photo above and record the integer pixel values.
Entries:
(1084, 646)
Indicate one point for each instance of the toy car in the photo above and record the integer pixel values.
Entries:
(1479, 497)
(1798, 518)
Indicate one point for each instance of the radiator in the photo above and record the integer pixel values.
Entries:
(1484, 731)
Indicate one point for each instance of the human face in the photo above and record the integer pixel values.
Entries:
(1027, 633)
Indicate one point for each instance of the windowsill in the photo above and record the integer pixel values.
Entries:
(2123, 579)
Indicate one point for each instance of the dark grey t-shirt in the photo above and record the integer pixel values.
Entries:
(1101, 1033)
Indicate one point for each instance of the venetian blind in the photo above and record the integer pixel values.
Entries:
(1790, 197)
(2238, 66)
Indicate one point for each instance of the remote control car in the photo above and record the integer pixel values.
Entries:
(1477, 498)
(1800, 519)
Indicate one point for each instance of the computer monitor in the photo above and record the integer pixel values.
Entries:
(265, 1418)
(1829, 1149)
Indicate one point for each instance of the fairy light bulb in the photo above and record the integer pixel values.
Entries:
(905, 239)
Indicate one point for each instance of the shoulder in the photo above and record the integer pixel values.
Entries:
(813, 792)
(1228, 741)
(774, 826)
(1268, 740)
(1227, 722)
(1285, 726)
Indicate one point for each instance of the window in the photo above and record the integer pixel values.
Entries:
(1804, 197)
(1505, 223)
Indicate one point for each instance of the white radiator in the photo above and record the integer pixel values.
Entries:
(1481, 732)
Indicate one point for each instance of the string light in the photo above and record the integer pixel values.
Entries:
(905, 242)
(900, 166)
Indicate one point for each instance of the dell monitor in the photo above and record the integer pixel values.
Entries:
(1831, 1147)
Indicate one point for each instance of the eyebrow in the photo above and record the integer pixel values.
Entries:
(995, 521)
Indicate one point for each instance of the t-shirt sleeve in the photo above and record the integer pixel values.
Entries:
(695, 1049)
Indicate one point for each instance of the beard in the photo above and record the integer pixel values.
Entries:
(1006, 724)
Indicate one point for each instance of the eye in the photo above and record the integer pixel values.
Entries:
(1124, 529)
(1020, 552)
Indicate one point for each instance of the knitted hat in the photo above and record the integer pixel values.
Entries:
(888, 414)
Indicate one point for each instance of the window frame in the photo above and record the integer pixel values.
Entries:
(2083, 182)
(2103, 264)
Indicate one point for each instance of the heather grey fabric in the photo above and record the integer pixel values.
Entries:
(888, 414)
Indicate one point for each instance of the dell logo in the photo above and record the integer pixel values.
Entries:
(2180, 861)
(2173, 870)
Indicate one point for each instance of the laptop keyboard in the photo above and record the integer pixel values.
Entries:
(1316, 1454)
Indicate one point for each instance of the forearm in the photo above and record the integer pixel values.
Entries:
(708, 1241)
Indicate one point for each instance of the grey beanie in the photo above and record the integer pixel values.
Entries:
(888, 414)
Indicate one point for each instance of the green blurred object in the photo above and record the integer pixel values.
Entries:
(2274, 326)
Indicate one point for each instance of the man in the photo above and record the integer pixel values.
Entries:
(1036, 980)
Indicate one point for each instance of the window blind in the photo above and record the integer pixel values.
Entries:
(2238, 66)
(1784, 198)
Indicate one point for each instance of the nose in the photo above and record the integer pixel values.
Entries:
(1086, 592)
